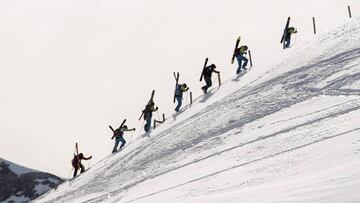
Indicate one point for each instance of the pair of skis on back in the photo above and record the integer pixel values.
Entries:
(176, 76)
(285, 33)
(205, 66)
(236, 47)
(112, 129)
(149, 102)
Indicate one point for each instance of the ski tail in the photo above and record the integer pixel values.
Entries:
(152, 97)
(77, 154)
(236, 46)
(250, 59)
(149, 102)
(122, 123)
(284, 33)
(205, 64)
(176, 76)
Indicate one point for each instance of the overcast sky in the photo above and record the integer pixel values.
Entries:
(70, 68)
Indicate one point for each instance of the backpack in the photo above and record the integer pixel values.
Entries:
(118, 133)
(75, 161)
(207, 71)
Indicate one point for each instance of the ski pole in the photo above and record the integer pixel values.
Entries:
(349, 10)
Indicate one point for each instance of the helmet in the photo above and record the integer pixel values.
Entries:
(212, 66)
(125, 127)
(185, 85)
(81, 155)
(246, 47)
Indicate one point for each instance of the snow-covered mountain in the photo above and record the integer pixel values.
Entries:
(287, 132)
(21, 184)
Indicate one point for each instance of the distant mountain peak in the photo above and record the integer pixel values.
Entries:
(21, 184)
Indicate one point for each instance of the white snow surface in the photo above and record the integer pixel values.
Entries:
(17, 169)
(286, 134)
(19, 199)
(41, 189)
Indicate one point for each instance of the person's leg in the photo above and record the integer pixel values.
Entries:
(204, 88)
(239, 60)
(287, 43)
(145, 126)
(123, 142)
(208, 82)
(148, 124)
(75, 171)
(245, 63)
(82, 168)
(179, 100)
(116, 145)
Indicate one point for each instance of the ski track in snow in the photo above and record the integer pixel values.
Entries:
(301, 103)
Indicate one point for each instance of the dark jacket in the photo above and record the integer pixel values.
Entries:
(241, 50)
(77, 159)
(149, 108)
(120, 132)
(209, 70)
(180, 89)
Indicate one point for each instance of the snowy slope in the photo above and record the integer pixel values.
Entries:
(21, 184)
(288, 135)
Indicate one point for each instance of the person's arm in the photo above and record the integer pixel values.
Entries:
(184, 89)
(133, 129)
(216, 71)
(87, 158)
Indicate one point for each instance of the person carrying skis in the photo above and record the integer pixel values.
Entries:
(288, 33)
(76, 163)
(207, 72)
(147, 112)
(118, 135)
(239, 54)
(179, 90)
